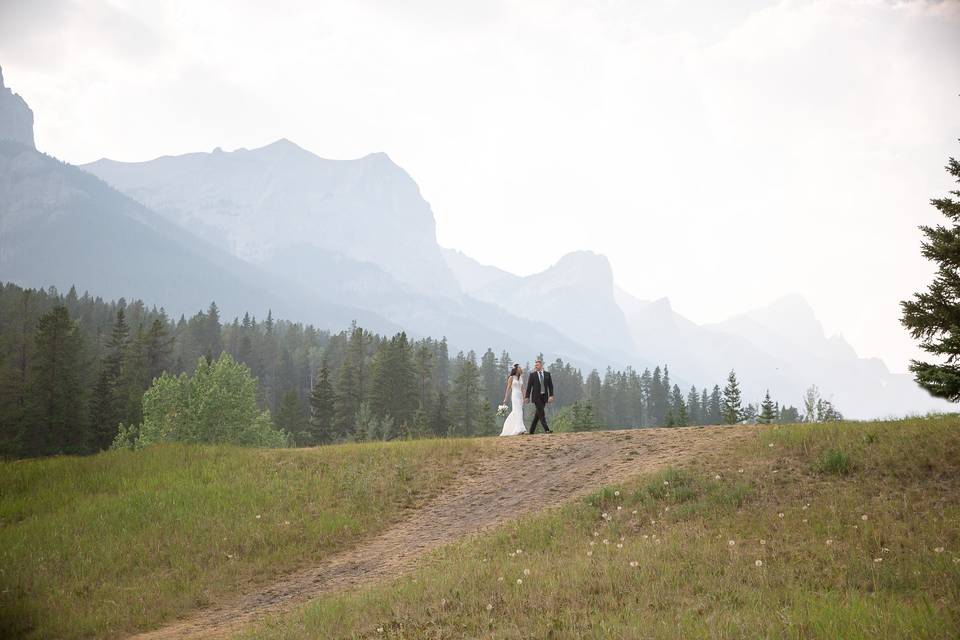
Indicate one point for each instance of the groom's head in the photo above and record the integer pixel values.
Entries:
(538, 365)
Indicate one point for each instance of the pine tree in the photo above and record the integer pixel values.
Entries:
(321, 429)
(393, 382)
(693, 406)
(492, 380)
(291, 417)
(158, 346)
(466, 396)
(933, 317)
(704, 407)
(56, 422)
(731, 400)
(350, 383)
(677, 407)
(768, 411)
(107, 408)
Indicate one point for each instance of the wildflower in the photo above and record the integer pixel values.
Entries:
(739, 470)
(804, 521)
(616, 493)
(605, 541)
(595, 534)
(731, 542)
(619, 545)
(938, 549)
(379, 629)
(619, 508)
(645, 536)
(634, 512)
(604, 515)
(762, 541)
(287, 522)
(665, 483)
(634, 563)
(829, 542)
(759, 563)
(589, 553)
(591, 543)
(512, 554)
(770, 445)
(878, 559)
(805, 507)
(780, 515)
(863, 517)
(443, 602)
(667, 509)
(622, 538)
(716, 477)
(657, 541)
(258, 516)
(653, 522)
(956, 561)
(519, 551)
(526, 572)
(519, 580)
(500, 579)
(775, 470)
(489, 607)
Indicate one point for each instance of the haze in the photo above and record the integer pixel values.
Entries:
(720, 157)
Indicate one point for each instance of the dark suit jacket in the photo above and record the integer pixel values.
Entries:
(533, 385)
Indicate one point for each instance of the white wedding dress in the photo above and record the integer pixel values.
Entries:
(513, 425)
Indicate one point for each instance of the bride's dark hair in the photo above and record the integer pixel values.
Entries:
(515, 371)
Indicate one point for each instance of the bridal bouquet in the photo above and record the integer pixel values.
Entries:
(502, 410)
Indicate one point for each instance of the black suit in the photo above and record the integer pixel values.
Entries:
(540, 396)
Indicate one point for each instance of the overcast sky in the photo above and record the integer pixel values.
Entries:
(721, 157)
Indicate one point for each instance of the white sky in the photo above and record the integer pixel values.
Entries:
(719, 156)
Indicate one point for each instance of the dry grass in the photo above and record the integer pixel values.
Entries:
(865, 544)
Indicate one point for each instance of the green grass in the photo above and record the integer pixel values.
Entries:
(122, 541)
(856, 527)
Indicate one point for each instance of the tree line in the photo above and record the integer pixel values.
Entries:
(74, 368)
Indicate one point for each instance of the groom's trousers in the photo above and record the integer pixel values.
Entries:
(540, 416)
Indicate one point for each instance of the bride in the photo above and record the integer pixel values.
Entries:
(513, 425)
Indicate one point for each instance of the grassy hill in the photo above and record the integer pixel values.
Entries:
(811, 531)
(122, 541)
(848, 530)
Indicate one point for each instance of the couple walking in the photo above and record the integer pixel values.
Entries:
(539, 389)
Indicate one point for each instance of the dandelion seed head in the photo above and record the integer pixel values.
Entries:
(716, 477)
(762, 541)
(759, 563)
(739, 470)
(489, 607)
(379, 629)
(634, 512)
(665, 483)
(605, 541)
(780, 515)
(526, 572)
(878, 559)
(938, 549)
(589, 553)
(519, 580)
(770, 445)
(634, 563)
(616, 493)
(829, 542)
(731, 542)
(619, 545)
(863, 517)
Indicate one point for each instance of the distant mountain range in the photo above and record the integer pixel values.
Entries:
(329, 241)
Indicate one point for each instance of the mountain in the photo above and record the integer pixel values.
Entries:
(260, 204)
(575, 295)
(356, 232)
(16, 118)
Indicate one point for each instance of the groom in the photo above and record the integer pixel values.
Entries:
(540, 389)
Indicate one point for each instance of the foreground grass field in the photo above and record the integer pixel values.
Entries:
(118, 542)
(812, 531)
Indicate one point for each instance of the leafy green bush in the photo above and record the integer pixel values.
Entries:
(218, 405)
(834, 461)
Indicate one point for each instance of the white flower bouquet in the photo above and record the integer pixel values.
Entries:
(502, 410)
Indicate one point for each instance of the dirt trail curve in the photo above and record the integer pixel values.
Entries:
(523, 474)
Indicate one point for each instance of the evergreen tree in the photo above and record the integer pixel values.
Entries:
(677, 407)
(768, 411)
(321, 427)
(393, 382)
(107, 408)
(350, 383)
(439, 420)
(466, 394)
(705, 413)
(693, 406)
(55, 398)
(492, 380)
(291, 417)
(158, 346)
(933, 317)
(731, 400)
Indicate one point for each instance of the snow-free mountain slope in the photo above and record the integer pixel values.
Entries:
(261, 203)
(16, 118)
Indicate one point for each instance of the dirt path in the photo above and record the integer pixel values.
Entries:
(523, 474)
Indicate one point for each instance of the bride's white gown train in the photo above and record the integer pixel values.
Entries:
(513, 425)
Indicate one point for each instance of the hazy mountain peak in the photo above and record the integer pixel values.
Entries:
(585, 267)
(16, 118)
